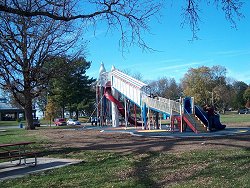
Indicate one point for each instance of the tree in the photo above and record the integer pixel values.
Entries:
(192, 9)
(166, 87)
(26, 44)
(134, 74)
(201, 82)
(130, 16)
(51, 110)
(246, 96)
(71, 89)
(223, 95)
(239, 89)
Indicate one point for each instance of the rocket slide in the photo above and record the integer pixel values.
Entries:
(120, 107)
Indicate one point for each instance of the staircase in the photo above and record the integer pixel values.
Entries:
(194, 123)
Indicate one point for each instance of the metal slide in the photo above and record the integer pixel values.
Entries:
(202, 115)
(120, 107)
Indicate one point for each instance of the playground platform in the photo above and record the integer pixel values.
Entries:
(165, 132)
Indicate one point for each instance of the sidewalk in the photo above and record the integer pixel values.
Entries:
(8, 170)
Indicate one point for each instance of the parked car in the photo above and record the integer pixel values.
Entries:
(243, 111)
(73, 122)
(60, 122)
(36, 122)
(93, 120)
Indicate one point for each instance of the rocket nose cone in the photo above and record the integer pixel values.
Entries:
(102, 69)
(112, 68)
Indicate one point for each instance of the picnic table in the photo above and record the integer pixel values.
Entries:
(18, 151)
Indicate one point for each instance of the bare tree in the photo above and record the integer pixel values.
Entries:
(134, 74)
(192, 10)
(26, 44)
(166, 87)
(130, 16)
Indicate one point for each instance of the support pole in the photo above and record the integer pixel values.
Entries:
(126, 115)
(157, 120)
(101, 108)
(181, 113)
(160, 120)
(148, 123)
(135, 115)
(144, 116)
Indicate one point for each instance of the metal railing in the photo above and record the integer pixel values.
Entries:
(191, 118)
(162, 104)
(202, 115)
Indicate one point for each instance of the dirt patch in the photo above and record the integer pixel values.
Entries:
(125, 143)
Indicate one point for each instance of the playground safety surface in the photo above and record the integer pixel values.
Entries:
(165, 132)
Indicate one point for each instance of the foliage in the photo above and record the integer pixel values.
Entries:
(223, 96)
(246, 96)
(238, 100)
(201, 82)
(51, 110)
(71, 89)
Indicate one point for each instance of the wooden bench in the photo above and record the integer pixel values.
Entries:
(18, 151)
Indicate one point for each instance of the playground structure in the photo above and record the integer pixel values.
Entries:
(118, 93)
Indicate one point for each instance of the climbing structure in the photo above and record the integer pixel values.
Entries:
(118, 93)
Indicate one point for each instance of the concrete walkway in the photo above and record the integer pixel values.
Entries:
(164, 132)
(9, 170)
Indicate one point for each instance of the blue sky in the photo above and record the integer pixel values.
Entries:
(219, 44)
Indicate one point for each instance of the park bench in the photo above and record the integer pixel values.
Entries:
(18, 151)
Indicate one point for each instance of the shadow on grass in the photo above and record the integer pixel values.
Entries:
(143, 172)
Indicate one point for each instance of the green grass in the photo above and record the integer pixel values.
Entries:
(229, 168)
(235, 118)
(17, 135)
(9, 123)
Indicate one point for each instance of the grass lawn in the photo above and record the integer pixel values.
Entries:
(235, 118)
(101, 169)
(9, 123)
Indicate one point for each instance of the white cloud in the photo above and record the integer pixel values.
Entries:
(232, 53)
(179, 65)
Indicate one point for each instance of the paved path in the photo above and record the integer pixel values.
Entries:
(169, 134)
(8, 170)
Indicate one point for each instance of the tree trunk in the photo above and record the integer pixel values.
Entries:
(63, 111)
(77, 114)
(28, 114)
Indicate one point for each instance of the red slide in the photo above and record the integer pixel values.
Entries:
(119, 107)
